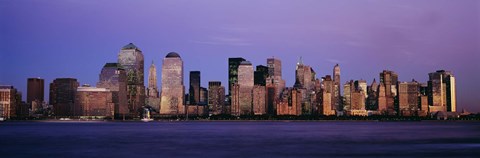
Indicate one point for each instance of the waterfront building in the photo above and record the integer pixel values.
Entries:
(62, 96)
(93, 103)
(408, 98)
(152, 93)
(114, 78)
(442, 92)
(194, 90)
(8, 102)
(216, 98)
(173, 90)
(203, 96)
(35, 90)
(233, 64)
(260, 75)
(235, 101)
(245, 82)
(274, 84)
(259, 100)
(328, 106)
(389, 80)
(336, 93)
(131, 59)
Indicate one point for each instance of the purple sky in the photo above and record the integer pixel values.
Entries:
(70, 38)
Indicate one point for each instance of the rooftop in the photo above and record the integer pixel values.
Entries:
(130, 46)
(172, 55)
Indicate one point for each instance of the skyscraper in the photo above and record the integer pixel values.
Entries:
(245, 82)
(132, 60)
(194, 90)
(233, 64)
(328, 106)
(259, 100)
(173, 90)
(388, 81)
(62, 96)
(442, 92)
(336, 94)
(114, 78)
(274, 85)
(153, 96)
(152, 90)
(216, 98)
(408, 96)
(260, 75)
(35, 90)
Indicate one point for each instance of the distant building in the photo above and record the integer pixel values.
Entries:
(62, 96)
(442, 92)
(194, 90)
(233, 64)
(245, 82)
(235, 101)
(303, 76)
(336, 93)
(8, 102)
(328, 106)
(260, 75)
(408, 98)
(372, 97)
(203, 96)
(290, 102)
(132, 60)
(92, 102)
(216, 98)
(173, 90)
(114, 78)
(354, 97)
(153, 96)
(259, 100)
(274, 84)
(388, 84)
(35, 90)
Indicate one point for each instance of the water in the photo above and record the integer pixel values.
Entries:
(239, 139)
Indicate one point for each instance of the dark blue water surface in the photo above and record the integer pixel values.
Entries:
(239, 139)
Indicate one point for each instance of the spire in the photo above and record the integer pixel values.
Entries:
(300, 61)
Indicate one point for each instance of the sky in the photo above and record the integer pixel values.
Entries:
(75, 38)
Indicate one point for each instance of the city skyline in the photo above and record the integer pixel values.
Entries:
(52, 58)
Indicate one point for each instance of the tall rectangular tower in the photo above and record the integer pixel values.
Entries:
(35, 90)
(194, 90)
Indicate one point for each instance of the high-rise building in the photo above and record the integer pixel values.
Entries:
(328, 106)
(235, 101)
(114, 78)
(92, 102)
(35, 90)
(194, 90)
(245, 82)
(8, 102)
(354, 97)
(274, 84)
(152, 89)
(372, 97)
(303, 76)
(62, 96)
(259, 100)
(260, 75)
(408, 96)
(216, 98)
(389, 80)
(442, 92)
(132, 60)
(203, 96)
(173, 90)
(290, 103)
(233, 64)
(336, 94)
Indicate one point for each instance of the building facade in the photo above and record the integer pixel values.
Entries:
(233, 64)
(92, 102)
(245, 81)
(216, 98)
(8, 102)
(442, 91)
(153, 96)
(114, 78)
(131, 59)
(62, 96)
(194, 91)
(259, 106)
(173, 90)
(35, 90)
